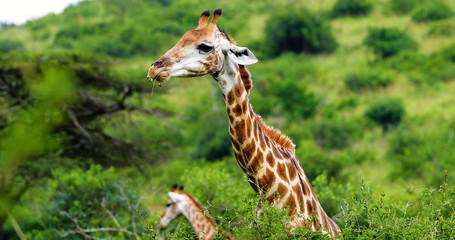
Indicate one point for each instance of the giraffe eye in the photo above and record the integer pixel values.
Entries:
(205, 48)
(168, 204)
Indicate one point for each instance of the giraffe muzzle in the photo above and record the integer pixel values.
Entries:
(158, 74)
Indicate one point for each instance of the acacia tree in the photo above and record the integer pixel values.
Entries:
(52, 113)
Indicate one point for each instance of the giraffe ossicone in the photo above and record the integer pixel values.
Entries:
(266, 156)
(183, 203)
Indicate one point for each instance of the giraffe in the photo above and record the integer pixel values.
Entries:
(181, 202)
(265, 155)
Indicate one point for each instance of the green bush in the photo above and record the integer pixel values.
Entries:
(369, 216)
(89, 199)
(295, 97)
(444, 28)
(368, 79)
(435, 70)
(300, 31)
(10, 45)
(272, 224)
(352, 7)
(334, 133)
(284, 86)
(387, 112)
(431, 11)
(416, 157)
(402, 6)
(386, 42)
(315, 161)
(448, 53)
(407, 60)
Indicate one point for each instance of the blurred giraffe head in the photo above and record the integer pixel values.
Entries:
(175, 206)
(201, 51)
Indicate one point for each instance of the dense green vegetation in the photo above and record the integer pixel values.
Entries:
(366, 89)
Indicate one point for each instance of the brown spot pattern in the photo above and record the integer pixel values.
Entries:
(304, 189)
(291, 170)
(245, 105)
(249, 150)
(281, 170)
(267, 180)
(292, 206)
(238, 90)
(270, 159)
(235, 144)
(240, 161)
(309, 208)
(237, 110)
(276, 153)
(282, 190)
(298, 192)
(230, 97)
(240, 130)
(256, 163)
(248, 128)
(253, 183)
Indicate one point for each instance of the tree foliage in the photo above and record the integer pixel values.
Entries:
(299, 31)
(352, 8)
(386, 42)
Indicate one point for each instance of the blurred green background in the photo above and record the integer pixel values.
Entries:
(365, 88)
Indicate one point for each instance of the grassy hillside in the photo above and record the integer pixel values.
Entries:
(373, 118)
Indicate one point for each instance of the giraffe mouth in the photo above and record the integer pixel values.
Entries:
(158, 74)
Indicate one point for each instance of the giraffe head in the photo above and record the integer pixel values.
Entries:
(175, 206)
(201, 51)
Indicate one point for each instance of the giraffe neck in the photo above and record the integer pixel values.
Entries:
(266, 156)
(203, 225)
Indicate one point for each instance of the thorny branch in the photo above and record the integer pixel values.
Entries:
(84, 231)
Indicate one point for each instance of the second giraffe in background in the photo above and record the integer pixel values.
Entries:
(182, 203)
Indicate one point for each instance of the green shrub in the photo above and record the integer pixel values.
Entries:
(212, 184)
(283, 83)
(444, 28)
(352, 7)
(295, 97)
(315, 161)
(402, 6)
(368, 79)
(331, 193)
(435, 70)
(386, 42)
(300, 31)
(334, 133)
(414, 156)
(407, 60)
(272, 224)
(208, 143)
(369, 216)
(387, 112)
(448, 53)
(431, 11)
(8, 45)
(89, 199)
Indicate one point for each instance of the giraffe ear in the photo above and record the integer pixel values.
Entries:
(241, 55)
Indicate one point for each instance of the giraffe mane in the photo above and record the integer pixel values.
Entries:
(276, 135)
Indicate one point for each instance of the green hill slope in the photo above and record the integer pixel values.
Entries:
(376, 111)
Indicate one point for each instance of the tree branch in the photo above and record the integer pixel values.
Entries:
(77, 124)
(83, 232)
